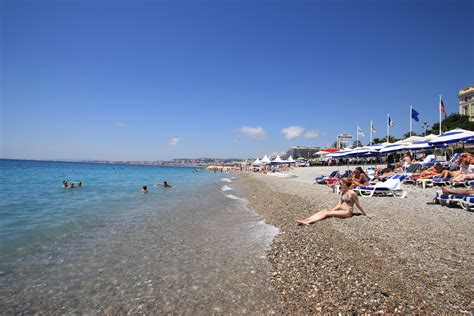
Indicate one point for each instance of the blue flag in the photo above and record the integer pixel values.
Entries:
(414, 115)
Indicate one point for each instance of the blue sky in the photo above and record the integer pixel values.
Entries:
(132, 80)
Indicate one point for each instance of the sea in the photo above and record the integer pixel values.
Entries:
(107, 248)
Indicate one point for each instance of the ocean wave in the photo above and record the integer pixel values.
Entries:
(226, 188)
(233, 197)
(226, 180)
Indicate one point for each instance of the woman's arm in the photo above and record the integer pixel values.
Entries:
(339, 203)
(357, 202)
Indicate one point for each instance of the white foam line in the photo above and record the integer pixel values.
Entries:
(233, 197)
(226, 180)
(226, 188)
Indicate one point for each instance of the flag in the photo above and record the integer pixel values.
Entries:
(389, 120)
(360, 132)
(414, 115)
(442, 108)
(373, 128)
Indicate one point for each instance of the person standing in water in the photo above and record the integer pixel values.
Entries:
(144, 189)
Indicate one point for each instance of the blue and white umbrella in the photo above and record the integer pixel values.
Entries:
(339, 154)
(364, 151)
(419, 146)
(393, 148)
(451, 137)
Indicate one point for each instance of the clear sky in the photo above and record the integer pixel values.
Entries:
(153, 80)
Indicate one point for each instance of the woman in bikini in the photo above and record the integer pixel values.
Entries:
(343, 209)
(359, 178)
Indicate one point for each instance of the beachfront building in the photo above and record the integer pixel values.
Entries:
(344, 140)
(302, 151)
(466, 102)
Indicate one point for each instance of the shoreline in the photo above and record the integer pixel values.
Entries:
(410, 258)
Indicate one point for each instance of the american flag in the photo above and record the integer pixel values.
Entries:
(442, 108)
(372, 126)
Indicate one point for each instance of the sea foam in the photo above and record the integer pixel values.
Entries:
(226, 188)
(226, 180)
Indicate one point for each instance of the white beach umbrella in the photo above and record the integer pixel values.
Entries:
(257, 162)
(451, 137)
(409, 140)
(277, 159)
(290, 159)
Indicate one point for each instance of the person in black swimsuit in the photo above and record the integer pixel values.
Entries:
(343, 209)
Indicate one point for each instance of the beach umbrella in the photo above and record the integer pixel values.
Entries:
(423, 145)
(321, 152)
(338, 154)
(290, 159)
(392, 148)
(451, 137)
(409, 140)
(277, 159)
(364, 151)
(470, 140)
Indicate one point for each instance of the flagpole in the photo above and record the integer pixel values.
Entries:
(439, 105)
(357, 136)
(411, 111)
(370, 142)
(388, 129)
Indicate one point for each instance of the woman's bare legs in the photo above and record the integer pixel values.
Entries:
(319, 216)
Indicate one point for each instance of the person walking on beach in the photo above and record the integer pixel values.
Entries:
(343, 209)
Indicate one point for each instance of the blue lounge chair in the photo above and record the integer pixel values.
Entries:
(324, 179)
(467, 203)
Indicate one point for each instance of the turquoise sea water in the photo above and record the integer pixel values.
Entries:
(106, 247)
(33, 204)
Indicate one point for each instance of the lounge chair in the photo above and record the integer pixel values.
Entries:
(390, 187)
(324, 180)
(346, 174)
(441, 181)
(442, 199)
(467, 203)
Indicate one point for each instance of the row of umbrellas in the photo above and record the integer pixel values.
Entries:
(412, 143)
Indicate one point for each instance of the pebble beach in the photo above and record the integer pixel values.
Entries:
(410, 257)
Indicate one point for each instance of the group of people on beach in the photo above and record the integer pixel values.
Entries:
(459, 171)
(71, 185)
(165, 185)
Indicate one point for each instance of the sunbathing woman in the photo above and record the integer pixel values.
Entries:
(398, 169)
(359, 178)
(343, 209)
(430, 173)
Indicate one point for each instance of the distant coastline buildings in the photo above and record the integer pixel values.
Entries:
(466, 102)
(302, 151)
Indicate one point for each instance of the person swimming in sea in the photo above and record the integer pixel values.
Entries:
(65, 185)
(144, 189)
(79, 184)
(166, 185)
(343, 209)
(71, 185)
